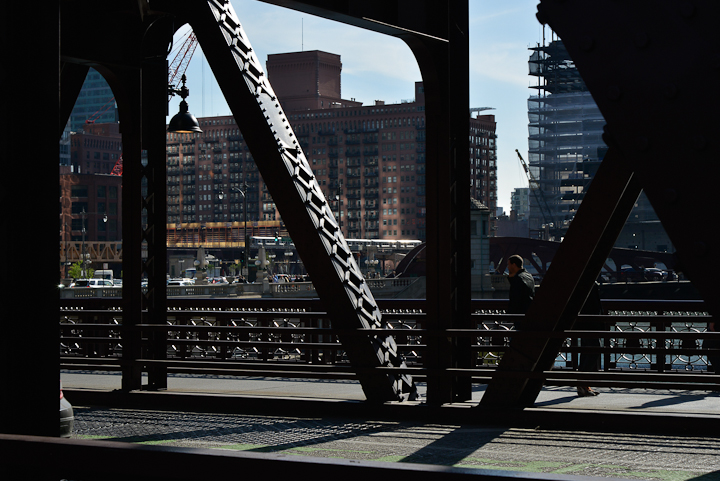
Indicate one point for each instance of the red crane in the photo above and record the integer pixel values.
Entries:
(117, 168)
(182, 58)
(176, 68)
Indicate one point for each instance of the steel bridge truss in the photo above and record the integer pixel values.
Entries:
(661, 132)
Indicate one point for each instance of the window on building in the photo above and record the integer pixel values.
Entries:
(79, 191)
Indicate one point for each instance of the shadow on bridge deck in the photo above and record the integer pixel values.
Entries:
(652, 410)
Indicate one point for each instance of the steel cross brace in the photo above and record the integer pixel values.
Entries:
(658, 94)
(568, 282)
(297, 195)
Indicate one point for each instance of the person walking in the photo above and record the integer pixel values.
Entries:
(590, 361)
(522, 288)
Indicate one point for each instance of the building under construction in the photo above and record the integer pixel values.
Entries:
(565, 139)
(565, 150)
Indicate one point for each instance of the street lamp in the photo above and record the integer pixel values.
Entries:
(243, 191)
(370, 263)
(337, 199)
(288, 255)
(84, 255)
(183, 121)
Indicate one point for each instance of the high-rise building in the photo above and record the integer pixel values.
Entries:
(565, 130)
(64, 145)
(95, 103)
(369, 160)
(520, 202)
(566, 149)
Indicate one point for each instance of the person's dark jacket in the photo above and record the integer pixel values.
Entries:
(522, 292)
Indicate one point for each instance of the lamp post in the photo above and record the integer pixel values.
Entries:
(83, 254)
(288, 255)
(337, 199)
(370, 264)
(243, 191)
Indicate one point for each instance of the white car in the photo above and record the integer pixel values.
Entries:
(92, 283)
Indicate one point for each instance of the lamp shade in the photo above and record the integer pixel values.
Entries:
(184, 121)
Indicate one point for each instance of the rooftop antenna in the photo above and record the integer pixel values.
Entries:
(302, 34)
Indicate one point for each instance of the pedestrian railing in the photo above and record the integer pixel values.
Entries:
(657, 343)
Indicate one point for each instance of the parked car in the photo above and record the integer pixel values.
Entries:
(67, 417)
(179, 282)
(92, 283)
(654, 274)
(629, 274)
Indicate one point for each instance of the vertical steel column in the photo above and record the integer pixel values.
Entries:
(130, 129)
(30, 80)
(154, 109)
(444, 66)
(459, 189)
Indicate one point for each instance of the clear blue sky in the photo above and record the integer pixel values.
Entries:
(379, 67)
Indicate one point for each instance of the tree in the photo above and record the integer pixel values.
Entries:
(75, 271)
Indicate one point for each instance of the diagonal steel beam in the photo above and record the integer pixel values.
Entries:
(297, 195)
(574, 269)
(436, 32)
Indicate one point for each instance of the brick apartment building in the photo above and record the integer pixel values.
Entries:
(371, 157)
(87, 186)
(96, 148)
(98, 196)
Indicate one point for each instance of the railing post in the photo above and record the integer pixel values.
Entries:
(660, 364)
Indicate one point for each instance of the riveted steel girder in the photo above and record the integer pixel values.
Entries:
(297, 195)
(437, 34)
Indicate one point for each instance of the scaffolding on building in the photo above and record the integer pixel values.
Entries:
(565, 137)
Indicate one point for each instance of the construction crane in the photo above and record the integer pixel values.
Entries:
(106, 106)
(117, 168)
(183, 55)
(538, 194)
(176, 69)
